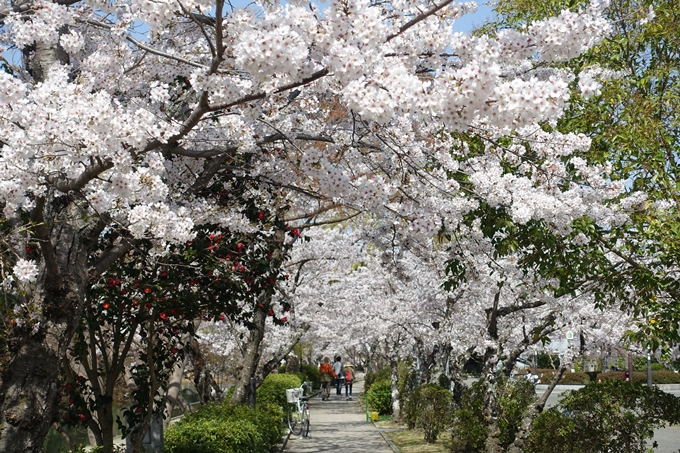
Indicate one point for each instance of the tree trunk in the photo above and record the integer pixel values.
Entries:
(531, 413)
(491, 410)
(30, 391)
(251, 357)
(394, 382)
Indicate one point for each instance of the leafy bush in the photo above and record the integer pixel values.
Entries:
(380, 397)
(428, 408)
(613, 415)
(469, 428)
(575, 378)
(273, 388)
(311, 374)
(658, 377)
(374, 376)
(221, 428)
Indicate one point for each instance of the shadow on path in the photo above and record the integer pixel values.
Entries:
(339, 425)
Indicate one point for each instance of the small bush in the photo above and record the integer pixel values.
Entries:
(220, 428)
(311, 374)
(428, 408)
(273, 388)
(370, 378)
(381, 402)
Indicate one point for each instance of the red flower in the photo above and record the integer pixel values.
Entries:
(163, 315)
(164, 274)
(260, 215)
(83, 417)
(271, 312)
(149, 305)
(70, 401)
(80, 378)
(111, 282)
(138, 410)
(287, 309)
(135, 303)
(106, 305)
(239, 247)
(147, 290)
(174, 350)
(295, 232)
(222, 317)
(29, 249)
(284, 319)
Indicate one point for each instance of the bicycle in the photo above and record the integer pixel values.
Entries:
(298, 409)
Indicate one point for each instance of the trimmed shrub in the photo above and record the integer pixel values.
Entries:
(658, 377)
(575, 378)
(613, 415)
(370, 378)
(311, 374)
(221, 428)
(273, 388)
(382, 401)
(428, 408)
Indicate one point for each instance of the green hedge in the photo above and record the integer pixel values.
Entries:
(225, 428)
(273, 388)
(658, 377)
(546, 376)
(311, 374)
(382, 402)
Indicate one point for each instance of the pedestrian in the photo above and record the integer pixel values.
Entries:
(339, 370)
(349, 380)
(327, 375)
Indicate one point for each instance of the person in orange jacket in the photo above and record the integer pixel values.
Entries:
(327, 376)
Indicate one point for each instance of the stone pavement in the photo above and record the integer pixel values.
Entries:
(339, 426)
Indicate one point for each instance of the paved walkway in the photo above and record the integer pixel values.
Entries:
(339, 425)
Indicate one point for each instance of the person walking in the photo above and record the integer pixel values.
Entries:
(349, 379)
(327, 375)
(339, 370)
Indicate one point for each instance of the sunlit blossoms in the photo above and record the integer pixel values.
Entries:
(25, 271)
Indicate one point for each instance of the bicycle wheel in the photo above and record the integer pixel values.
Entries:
(294, 420)
(305, 423)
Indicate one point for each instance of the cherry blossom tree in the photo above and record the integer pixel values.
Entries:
(106, 125)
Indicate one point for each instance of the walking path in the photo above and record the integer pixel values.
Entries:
(339, 425)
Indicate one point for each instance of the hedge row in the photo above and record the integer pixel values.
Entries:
(658, 377)
(225, 428)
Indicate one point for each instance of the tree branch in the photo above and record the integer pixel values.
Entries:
(418, 18)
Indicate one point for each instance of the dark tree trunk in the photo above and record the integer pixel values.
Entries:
(30, 391)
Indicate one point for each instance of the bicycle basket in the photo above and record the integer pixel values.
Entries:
(293, 395)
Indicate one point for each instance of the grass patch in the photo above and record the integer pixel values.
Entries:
(411, 441)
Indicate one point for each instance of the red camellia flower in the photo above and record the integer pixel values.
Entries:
(29, 249)
(111, 282)
(222, 317)
(284, 319)
(164, 274)
(138, 410)
(80, 378)
(239, 247)
(260, 215)
(135, 303)
(174, 350)
(83, 417)
(295, 232)
(287, 309)
(149, 305)
(70, 401)
(271, 312)
(163, 315)
(147, 290)
(106, 305)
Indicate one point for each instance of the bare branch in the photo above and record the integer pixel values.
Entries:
(418, 18)
(96, 168)
(46, 246)
(110, 257)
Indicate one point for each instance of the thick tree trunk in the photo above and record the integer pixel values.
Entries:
(30, 390)
(251, 357)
